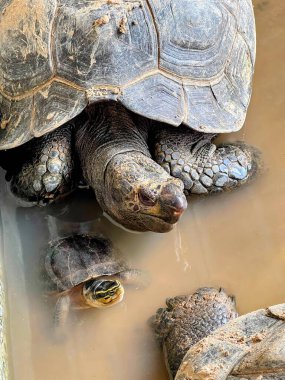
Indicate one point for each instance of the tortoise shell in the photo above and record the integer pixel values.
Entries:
(175, 61)
(249, 347)
(79, 258)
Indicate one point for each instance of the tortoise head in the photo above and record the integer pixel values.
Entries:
(102, 293)
(140, 195)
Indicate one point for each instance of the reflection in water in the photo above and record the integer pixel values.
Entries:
(235, 241)
(181, 255)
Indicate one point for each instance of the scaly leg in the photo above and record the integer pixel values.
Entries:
(42, 170)
(201, 165)
(188, 319)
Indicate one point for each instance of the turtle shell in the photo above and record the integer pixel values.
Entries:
(250, 347)
(175, 61)
(79, 258)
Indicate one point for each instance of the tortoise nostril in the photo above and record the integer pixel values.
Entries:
(178, 205)
(174, 199)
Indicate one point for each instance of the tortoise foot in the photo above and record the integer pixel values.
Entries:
(227, 168)
(202, 166)
(46, 173)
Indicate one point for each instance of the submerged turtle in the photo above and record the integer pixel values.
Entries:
(86, 272)
(132, 70)
(202, 338)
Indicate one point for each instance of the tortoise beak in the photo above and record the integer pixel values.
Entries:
(173, 202)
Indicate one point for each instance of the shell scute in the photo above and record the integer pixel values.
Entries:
(16, 116)
(246, 28)
(239, 73)
(25, 40)
(156, 97)
(193, 42)
(56, 104)
(206, 111)
(93, 52)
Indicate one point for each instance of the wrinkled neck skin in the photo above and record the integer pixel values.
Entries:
(116, 162)
(108, 132)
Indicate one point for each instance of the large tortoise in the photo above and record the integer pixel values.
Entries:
(131, 70)
(202, 338)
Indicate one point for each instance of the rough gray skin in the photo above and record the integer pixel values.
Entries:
(43, 170)
(217, 344)
(188, 319)
(201, 165)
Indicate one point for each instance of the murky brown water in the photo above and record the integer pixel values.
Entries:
(236, 241)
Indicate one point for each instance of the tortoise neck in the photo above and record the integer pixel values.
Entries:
(112, 128)
(108, 132)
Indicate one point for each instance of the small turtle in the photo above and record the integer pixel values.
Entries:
(134, 70)
(86, 272)
(202, 338)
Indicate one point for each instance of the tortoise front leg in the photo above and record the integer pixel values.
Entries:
(44, 169)
(201, 165)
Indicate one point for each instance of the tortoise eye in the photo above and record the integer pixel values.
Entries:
(117, 196)
(146, 197)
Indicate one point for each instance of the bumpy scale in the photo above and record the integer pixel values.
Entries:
(203, 338)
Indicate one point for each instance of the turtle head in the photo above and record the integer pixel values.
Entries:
(102, 293)
(140, 195)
